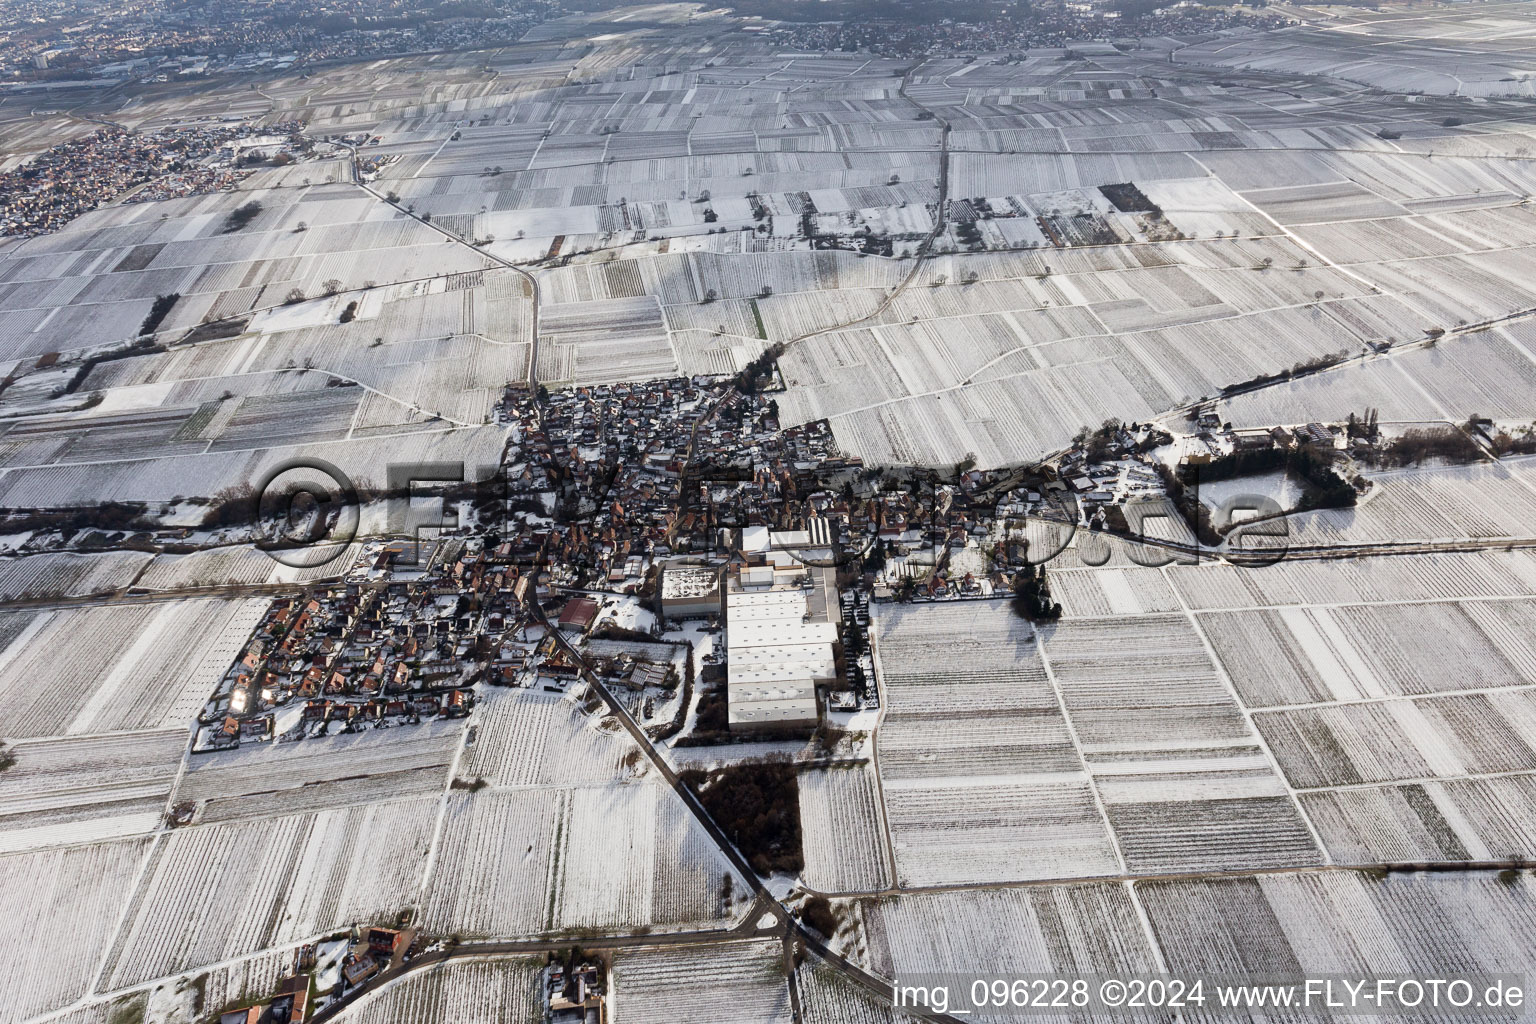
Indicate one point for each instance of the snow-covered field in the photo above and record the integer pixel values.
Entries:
(1186, 721)
(842, 831)
(138, 666)
(461, 992)
(211, 892)
(526, 861)
(84, 789)
(70, 899)
(740, 982)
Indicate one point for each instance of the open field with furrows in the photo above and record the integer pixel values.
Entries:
(606, 341)
(133, 666)
(842, 830)
(639, 183)
(432, 339)
(74, 289)
(1295, 582)
(211, 892)
(826, 997)
(977, 757)
(463, 992)
(919, 676)
(71, 899)
(996, 715)
(1485, 54)
(1289, 656)
(969, 829)
(235, 564)
(1179, 773)
(60, 574)
(89, 788)
(1282, 232)
(1385, 741)
(1490, 373)
(1091, 593)
(364, 460)
(742, 982)
(1152, 768)
(532, 738)
(1283, 925)
(1481, 501)
(1459, 819)
(338, 769)
(1050, 930)
(656, 181)
(517, 862)
(1341, 923)
(1142, 682)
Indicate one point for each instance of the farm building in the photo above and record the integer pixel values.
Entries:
(690, 592)
(578, 614)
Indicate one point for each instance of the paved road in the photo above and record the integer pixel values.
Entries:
(788, 924)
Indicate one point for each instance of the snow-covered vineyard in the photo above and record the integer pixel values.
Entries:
(1240, 732)
(1281, 925)
(1310, 246)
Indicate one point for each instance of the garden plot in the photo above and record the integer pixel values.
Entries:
(212, 892)
(461, 992)
(1400, 739)
(842, 831)
(83, 790)
(1341, 923)
(133, 667)
(70, 899)
(532, 861)
(740, 982)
